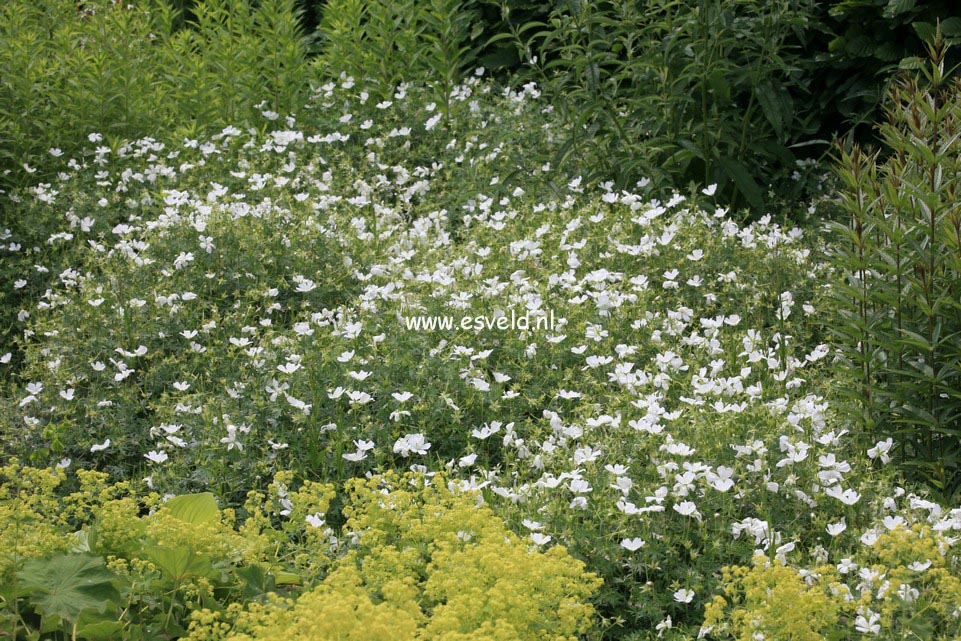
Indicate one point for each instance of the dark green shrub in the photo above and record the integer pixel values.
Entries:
(864, 41)
(900, 295)
(710, 91)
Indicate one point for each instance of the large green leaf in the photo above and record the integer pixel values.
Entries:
(62, 586)
(195, 508)
(93, 627)
(897, 7)
(180, 563)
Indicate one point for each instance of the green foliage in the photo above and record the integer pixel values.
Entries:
(374, 40)
(708, 91)
(898, 254)
(195, 508)
(865, 40)
(86, 559)
(125, 71)
(447, 51)
(64, 586)
(388, 43)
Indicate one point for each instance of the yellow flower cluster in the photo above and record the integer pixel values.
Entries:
(913, 570)
(428, 565)
(901, 584)
(31, 519)
(770, 601)
(38, 517)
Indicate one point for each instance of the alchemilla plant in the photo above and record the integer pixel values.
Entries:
(371, 367)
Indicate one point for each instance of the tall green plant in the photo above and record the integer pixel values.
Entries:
(130, 71)
(373, 40)
(900, 254)
(448, 51)
(387, 43)
(677, 90)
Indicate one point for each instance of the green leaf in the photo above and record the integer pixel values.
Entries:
(744, 181)
(65, 585)
(257, 581)
(951, 26)
(925, 30)
(771, 106)
(288, 578)
(195, 508)
(898, 7)
(911, 63)
(103, 630)
(180, 563)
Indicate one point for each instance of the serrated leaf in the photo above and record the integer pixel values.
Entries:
(195, 508)
(776, 104)
(63, 586)
(898, 7)
(105, 630)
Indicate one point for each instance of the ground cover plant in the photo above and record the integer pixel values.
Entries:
(375, 368)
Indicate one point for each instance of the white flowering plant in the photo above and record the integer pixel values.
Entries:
(214, 311)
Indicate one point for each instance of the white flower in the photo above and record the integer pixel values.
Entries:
(709, 190)
(486, 431)
(411, 443)
(666, 624)
(156, 456)
(687, 508)
(867, 622)
(848, 497)
(721, 480)
(315, 520)
(632, 545)
(289, 368)
(540, 539)
(881, 450)
(100, 446)
(835, 529)
(296, 403)
(684, 596)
